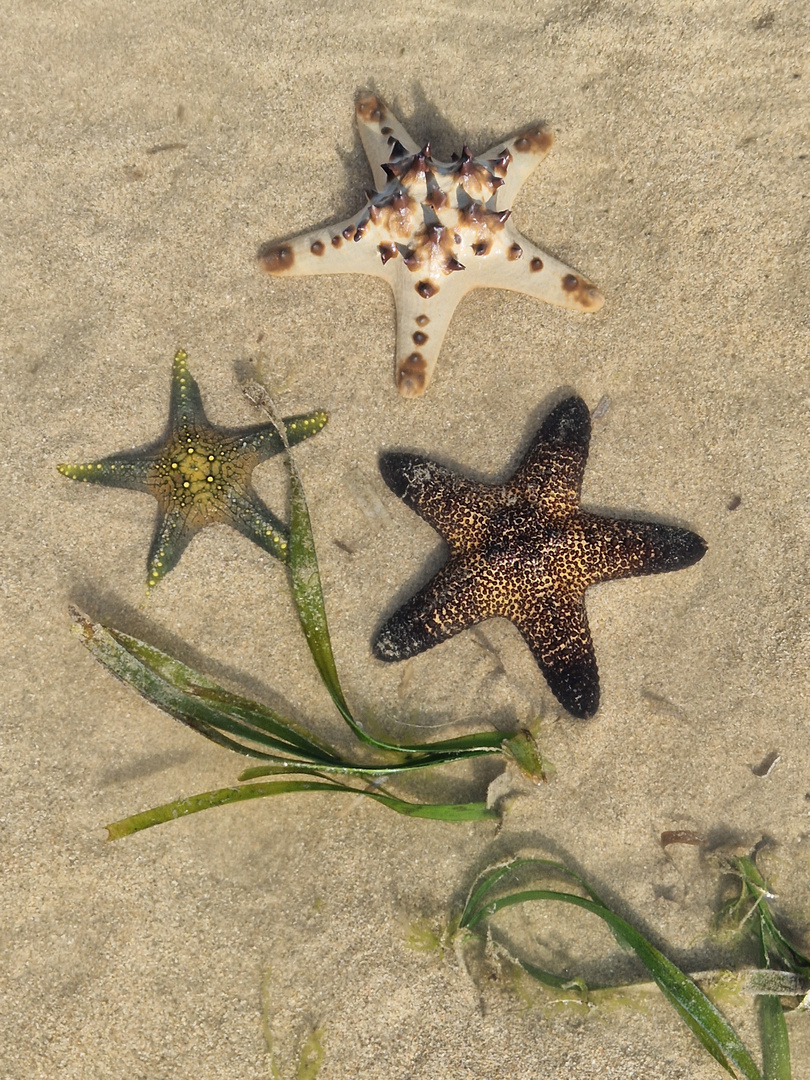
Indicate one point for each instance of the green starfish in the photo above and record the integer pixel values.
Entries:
(200, 475)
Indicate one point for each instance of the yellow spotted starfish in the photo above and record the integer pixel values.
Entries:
(525, 550)
(433, 231)
(200, 475)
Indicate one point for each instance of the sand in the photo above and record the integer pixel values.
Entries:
(148, 150)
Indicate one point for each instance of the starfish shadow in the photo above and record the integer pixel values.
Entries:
(445, 137)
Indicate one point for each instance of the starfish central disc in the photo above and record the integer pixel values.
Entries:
(196, 474)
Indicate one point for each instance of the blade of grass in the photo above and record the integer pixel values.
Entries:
(258, 716)
(312, 1056)
(476, 811)
(311, 1052)
(308, 597)
(185, 695)
(771, 945)
(476, 906)
(696, 1010)
(349, 768)
(184, 678)
(556, 982)
(774, 1034)
(775, 1044)
(773, 940)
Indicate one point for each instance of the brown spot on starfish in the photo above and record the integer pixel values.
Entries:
(450, 221)
(524, 550)
(200, 475)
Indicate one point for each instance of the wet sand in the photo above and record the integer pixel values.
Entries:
(148, 150)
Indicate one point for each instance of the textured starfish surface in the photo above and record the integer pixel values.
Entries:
(526, 551)
(434, 231)
(200, 475)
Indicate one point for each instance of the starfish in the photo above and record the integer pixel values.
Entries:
(525, 550)
(433, 231)
(200, 475)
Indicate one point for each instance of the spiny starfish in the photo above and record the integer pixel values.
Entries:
(525, 550)
(200, 475)
(434, 231)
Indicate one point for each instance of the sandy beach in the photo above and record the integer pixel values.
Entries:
(149, 149)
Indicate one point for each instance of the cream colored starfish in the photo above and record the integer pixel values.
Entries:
(434, 231)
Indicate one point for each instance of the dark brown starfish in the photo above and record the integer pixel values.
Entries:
(200, 475)
(526, 551)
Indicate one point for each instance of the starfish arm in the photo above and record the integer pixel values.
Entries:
(457, 508)
(451, 602)
(118, 470)
(551, 472)
(248, 514)
(557, 633)
(525, 268)
(265, 440)
(525, 152)
(171, 539)
(304, 425)
(380, 131)
(330, 250)
(185, 404)
(620, 549)
(425, 306)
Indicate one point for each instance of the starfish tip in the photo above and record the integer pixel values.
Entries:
(688, 549)
(537, 140)
(581, 294)
(383, 647)
(370, 109)
(584, 710)
(410, 389)
(276, 258)
(594, 297)
(395, 470)
(576, 687)
(412, 375)
(570, 420)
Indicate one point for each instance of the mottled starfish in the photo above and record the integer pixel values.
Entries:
(200, 475)
(525, 550)
(434, 231)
